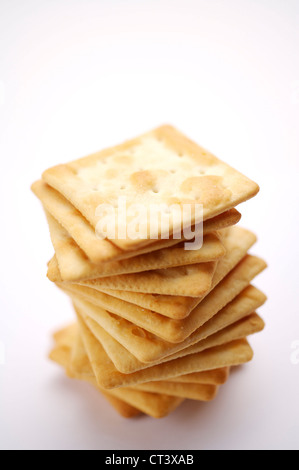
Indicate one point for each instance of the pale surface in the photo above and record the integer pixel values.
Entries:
(79, 76)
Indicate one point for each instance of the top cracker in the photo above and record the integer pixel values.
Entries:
(160, 167)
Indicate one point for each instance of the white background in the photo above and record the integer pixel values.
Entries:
(76, 76)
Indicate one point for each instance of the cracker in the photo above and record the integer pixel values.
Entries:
(172, 306)
(103, 308)
(194, 280)
(237, 242)
(149, 348)
(74, 224)
(61, 355)
(123, 408)
(153, 404)
(80, 231)
(66, 336)
(156, 405)
(199, 392)
(216, 377)
(72, 259)
(74, 265)
(234, 353)
(127, 363)
(147, 169)
(216, 332)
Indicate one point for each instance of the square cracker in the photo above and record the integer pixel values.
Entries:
(154, 404)
(193, 280)
(127, 363)
(148, 169)
(217, 377)
(104, 309)
(83, 234)
(191, 391)
(61, 355)
(70, 339)
(234, 353)
(68, 217)
(73, 264)
(128, 402)
(148, 348)
(236, 241)
(150, 403)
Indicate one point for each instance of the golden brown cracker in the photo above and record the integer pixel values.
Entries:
(149, 167)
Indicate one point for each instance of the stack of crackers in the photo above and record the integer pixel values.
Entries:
(156, 323)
